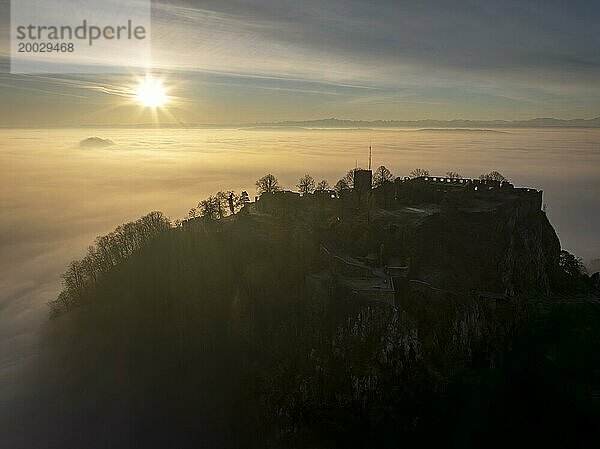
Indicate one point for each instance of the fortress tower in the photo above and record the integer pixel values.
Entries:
(363, 180)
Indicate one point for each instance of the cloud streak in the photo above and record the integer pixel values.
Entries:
(432, 58)
(380, 41)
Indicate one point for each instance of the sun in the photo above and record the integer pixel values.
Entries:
(151, 93)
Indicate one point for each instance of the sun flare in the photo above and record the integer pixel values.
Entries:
(151, 93)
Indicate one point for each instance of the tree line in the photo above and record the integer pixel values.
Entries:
(107, 252)
(307, 184)
(220, 205)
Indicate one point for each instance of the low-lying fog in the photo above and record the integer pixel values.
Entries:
(57, 196)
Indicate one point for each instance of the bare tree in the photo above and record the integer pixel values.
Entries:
(193, 213)
(109, 250)
(381, 176)
(349, 177)
(453, 175)
(419, 172)
(493, 176)
(323, 185)
(220, 205)
(227, 203)
(209, 208)
(268, 184)
(341, 185)
(233, 201)
(347, 182)
(306, 184)
(570, 264)
(74, 278)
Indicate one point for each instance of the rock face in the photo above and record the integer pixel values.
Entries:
(508, 248)
(460, 241)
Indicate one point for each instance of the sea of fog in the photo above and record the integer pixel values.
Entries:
(57, 196)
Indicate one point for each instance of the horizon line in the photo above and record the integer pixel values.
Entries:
(535, 122)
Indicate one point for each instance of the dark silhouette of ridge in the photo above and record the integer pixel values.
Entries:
(427, 310)
(430, 123)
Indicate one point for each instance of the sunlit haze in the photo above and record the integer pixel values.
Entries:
(151, 93)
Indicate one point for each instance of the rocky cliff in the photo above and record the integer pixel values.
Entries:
(496, 244)
(507, 248)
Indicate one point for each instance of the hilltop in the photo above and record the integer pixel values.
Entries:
(332, 319)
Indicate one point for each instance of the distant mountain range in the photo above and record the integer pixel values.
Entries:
(428, 124)
(532, 123)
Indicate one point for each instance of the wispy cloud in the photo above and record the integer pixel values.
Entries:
(383, 43)
(510, 59)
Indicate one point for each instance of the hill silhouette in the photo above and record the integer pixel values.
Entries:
(430, 123)
(223, 333)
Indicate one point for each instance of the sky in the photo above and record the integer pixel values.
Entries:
(240, 61)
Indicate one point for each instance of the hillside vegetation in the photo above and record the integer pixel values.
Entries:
(210, 337)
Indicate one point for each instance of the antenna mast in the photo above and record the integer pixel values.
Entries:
(370, 154)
